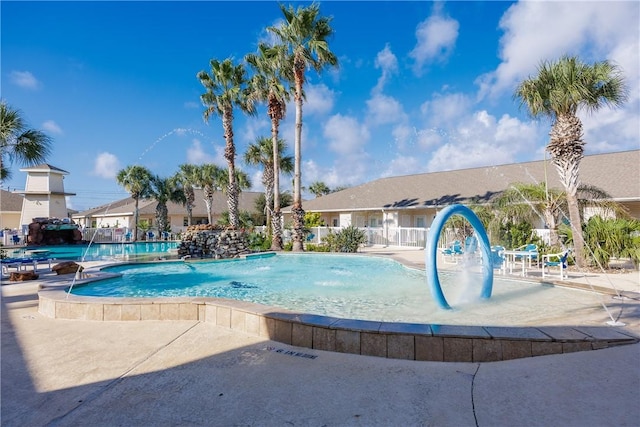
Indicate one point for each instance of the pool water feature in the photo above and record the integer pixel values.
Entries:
(350, 287)
(101, 251)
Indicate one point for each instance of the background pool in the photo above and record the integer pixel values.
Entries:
(100, 251)
(348, 286)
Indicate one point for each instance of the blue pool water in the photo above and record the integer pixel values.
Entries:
(345, 286)
(99, 252)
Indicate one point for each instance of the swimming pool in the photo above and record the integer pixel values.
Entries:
(348, 286)
(99, 251)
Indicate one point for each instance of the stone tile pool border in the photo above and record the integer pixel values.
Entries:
(423, 342)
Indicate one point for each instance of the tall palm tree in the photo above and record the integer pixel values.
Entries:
(209, 177)
(319, 188)
(137, 181)
(18, 142)
(261, 153)
(271, 68)
(304, 34)
(164, 190)
(226, 89)
(186, 177)
(559, 91)
(530, 202)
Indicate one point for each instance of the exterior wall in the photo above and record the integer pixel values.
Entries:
(57, 206)
(34, 206)
(37, 182)
(10, 220)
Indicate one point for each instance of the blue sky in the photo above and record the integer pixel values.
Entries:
(421, 86)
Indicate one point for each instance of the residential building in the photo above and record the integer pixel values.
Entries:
(413, 201)
(120, 214)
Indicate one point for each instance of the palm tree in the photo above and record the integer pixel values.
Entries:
(209, 177)
(304, 34)
(165, 190)
(319, 188)
(186, 177)
(17, 142)
(261, 153)
(559, 91)
(137, 181)
(271, 67)
(524, 201)
(225, 89)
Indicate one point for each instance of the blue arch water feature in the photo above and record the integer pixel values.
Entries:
(431, 252)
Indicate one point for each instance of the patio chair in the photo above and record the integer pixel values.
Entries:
(558, 260)
(530, 247)
(453, 251)
(498, 259)
(16, 239)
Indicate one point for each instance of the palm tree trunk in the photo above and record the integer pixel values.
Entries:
(297, 212)
(230, 156)
(276, 215)
(567, 149)
(208, 201)
(135, 221)
(576, 231)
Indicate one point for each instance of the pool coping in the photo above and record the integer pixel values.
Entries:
(412, 341)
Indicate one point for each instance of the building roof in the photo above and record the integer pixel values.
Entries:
(10, 202)
(44, 167)
(616, 173)
(246, 202)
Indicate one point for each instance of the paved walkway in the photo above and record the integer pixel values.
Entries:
(74, 373)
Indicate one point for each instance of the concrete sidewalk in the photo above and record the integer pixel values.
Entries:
(77, 373)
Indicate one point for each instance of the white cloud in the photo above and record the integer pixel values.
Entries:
(345, 135)
(388, 63)
(197, 155)
(25, 80)
(436, 37)
(106, 165)
(479, 139)
(594, 31)
(52, 127)
(444, 110)
(383, 109)
(319, 100)
(403, 165)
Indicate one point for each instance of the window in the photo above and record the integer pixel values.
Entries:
(421, 221)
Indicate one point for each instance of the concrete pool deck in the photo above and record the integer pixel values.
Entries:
(69, 372)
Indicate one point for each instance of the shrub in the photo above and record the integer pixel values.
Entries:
(312, 247)
(348, 239)
(258, 242)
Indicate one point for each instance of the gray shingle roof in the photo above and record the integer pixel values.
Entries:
(246, 202)
(616, 173)
(44, 167)
(10, 202)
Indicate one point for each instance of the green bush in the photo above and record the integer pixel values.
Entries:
(612, 238)
(258, 242)
(312, 247)
(348, 239)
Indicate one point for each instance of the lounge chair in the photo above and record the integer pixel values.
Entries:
(8, 263)
(558, 260)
